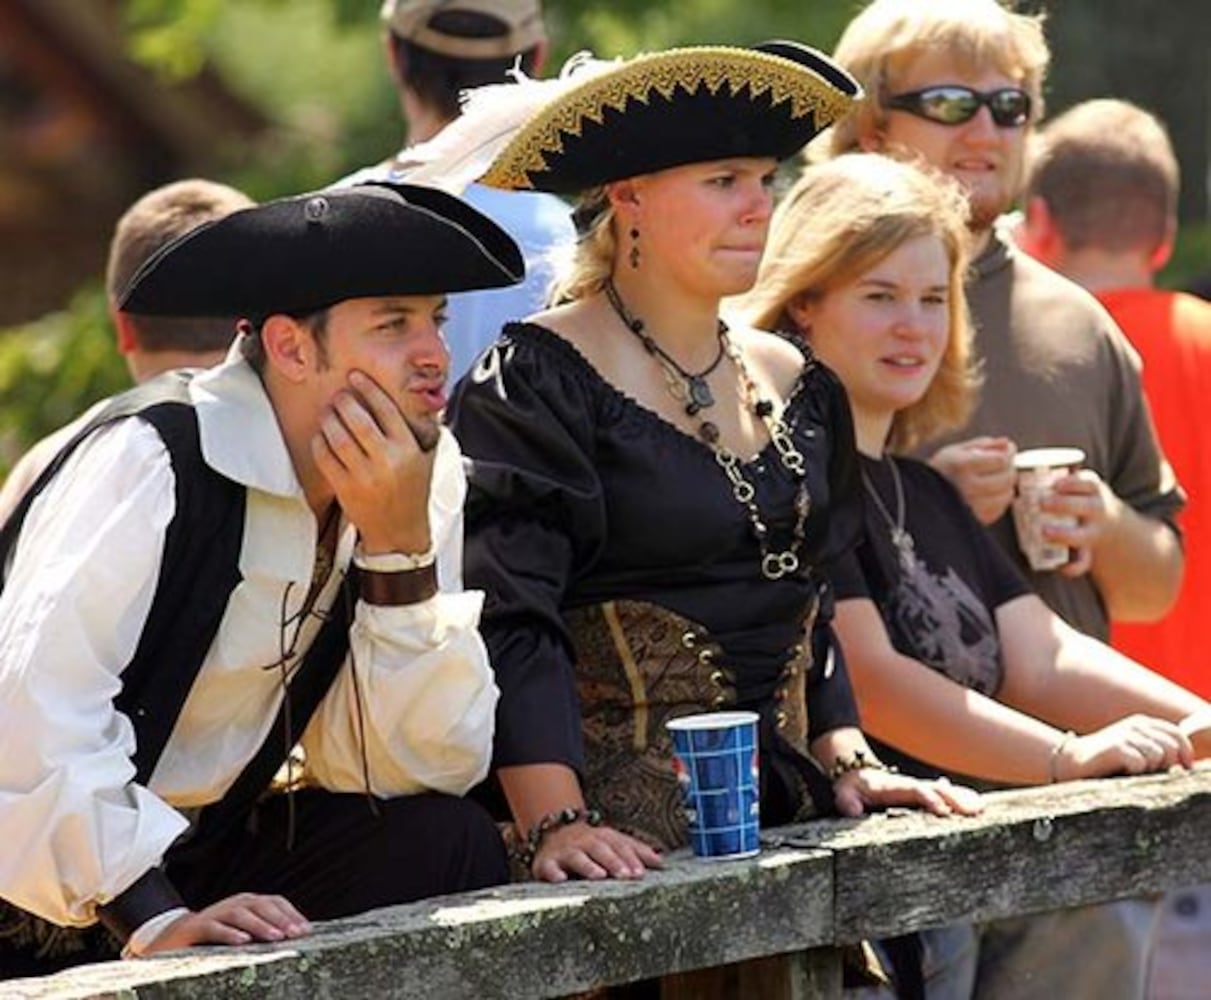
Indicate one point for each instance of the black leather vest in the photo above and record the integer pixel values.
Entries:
(198, 573)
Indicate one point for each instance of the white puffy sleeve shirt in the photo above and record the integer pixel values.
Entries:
(77, 831)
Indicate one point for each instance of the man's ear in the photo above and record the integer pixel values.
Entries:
(541, 51)
(872, 141)
(392, 55)
(1039, 235)
(1160, 256)
(290, 349)
(125, 335)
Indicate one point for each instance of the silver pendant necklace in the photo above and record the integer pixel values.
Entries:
(900, 538)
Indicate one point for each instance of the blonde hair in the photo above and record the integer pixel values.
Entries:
(841, 219)
(888, 35)
(584, 268)
(1107, 171)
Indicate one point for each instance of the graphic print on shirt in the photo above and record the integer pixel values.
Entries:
(939, 620)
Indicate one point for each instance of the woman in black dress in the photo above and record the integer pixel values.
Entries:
(654, 493)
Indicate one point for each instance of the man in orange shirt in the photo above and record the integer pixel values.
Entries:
(1101, 198)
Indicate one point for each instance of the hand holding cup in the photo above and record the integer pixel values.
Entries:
(1041, 514)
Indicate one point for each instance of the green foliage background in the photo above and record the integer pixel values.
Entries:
(315, 67)
(52, 368)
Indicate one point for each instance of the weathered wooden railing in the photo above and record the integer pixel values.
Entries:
(776, 920)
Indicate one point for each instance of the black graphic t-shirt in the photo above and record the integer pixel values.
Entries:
(938, 592)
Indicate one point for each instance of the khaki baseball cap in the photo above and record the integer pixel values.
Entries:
(522, 20)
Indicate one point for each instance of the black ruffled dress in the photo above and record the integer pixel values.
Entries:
(624, 585)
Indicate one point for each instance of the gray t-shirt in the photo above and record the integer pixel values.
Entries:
(1058, 371)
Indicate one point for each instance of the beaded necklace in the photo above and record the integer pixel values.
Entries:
(688, 388)
(774, 564)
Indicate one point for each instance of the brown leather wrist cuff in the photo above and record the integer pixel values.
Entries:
(409, 586)
(151, 895)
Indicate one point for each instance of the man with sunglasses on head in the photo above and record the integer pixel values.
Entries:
(958, 84)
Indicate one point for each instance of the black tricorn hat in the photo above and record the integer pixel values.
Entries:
(666, 109)
(301, 254)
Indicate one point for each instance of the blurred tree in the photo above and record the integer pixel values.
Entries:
(1155, 55)
(623, 27)
(52, 368)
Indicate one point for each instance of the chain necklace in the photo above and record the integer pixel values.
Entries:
(774, 564)
(693, 390)
(900, 538)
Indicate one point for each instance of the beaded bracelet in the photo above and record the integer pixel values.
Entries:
(553, 821)
(858, 761)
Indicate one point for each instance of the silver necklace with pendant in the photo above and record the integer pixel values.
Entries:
(900, 538)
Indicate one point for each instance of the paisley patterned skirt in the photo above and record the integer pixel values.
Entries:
(640, 665)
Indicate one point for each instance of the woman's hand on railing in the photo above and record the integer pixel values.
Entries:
(858, 792)
(593, 852)
(1138, 744)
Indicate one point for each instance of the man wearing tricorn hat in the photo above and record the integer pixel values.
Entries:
(263, 556)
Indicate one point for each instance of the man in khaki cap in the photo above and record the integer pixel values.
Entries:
(518, 30)
(435, 50)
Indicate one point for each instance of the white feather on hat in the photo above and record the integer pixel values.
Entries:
(491, 116)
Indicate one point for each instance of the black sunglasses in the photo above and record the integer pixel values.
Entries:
(951, 104)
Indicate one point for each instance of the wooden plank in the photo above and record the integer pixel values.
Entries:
(801, 975)
(817, 975)
(524, 940)
(831, 882)
(1031, 850)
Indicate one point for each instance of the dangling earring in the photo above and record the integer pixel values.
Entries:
(634, 256)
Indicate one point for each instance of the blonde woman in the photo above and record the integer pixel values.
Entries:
(955, 662)
(653, 491)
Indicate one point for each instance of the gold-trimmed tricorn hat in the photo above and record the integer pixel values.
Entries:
(667, 109)
(300, 254)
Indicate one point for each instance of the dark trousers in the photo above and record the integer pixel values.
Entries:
(346, 857)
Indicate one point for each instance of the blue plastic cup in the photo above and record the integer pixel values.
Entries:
(717, 769)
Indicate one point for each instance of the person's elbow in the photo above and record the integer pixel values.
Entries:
(1143, 605)
(1145, 592)
(469, 746)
